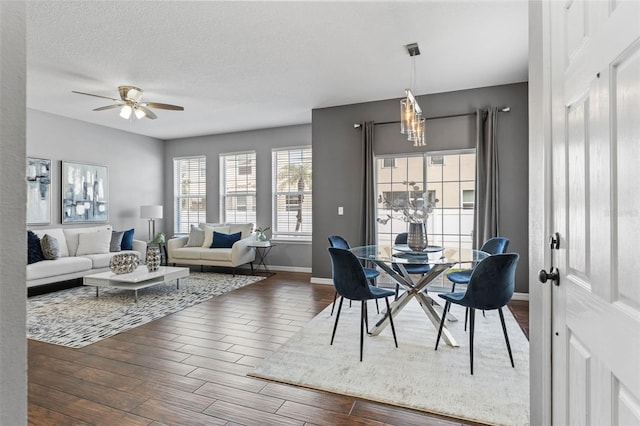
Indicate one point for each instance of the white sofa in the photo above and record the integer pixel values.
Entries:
(178, 252)
(69, 265)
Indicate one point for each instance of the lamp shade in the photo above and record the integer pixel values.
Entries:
(151, 212)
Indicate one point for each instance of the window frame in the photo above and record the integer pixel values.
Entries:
(468, 205)
(178, 197)
(301, 236)
(250, 215)
(389, 166)
(437, 160)
(427, 185)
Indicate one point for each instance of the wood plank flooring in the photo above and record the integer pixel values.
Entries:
(189, 368)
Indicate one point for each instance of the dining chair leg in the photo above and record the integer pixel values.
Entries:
(373, 283)
(466, 316)
(506, 336)
(472, 315)
(363, 310)
(335, 296)
(335, 326)
(393, 328)
(366, 315)
(444, 315)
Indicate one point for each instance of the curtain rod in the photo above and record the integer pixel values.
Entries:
(503, 109)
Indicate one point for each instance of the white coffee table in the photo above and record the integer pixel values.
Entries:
(140, 278)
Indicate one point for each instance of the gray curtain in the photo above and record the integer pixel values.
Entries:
(368, 231)
(487, 190)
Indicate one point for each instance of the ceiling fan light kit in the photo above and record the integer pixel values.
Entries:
(125, 112)
(131, 105)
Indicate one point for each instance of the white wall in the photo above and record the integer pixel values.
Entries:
(135, 165)
(13, 244)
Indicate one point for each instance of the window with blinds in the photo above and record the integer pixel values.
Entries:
(190, 187)
(238, 187)
(292, 193)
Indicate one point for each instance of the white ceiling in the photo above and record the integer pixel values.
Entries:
(247, 65)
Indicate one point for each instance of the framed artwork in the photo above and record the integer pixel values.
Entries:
(38, 191)
(85, 193)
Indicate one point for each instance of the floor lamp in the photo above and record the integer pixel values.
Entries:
(152, 213)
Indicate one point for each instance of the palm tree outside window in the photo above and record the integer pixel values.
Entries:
(292, 193)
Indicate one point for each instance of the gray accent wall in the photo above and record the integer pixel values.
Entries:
(337, 168)
(135, 166)
(285, 254)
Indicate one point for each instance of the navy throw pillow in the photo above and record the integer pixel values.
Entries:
(127, 240)
(34, 250)
(224, 240)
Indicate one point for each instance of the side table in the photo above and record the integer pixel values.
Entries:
(262, 250)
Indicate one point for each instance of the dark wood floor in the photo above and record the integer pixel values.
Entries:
(189, 368)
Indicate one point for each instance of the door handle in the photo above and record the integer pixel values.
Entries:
(553, 275)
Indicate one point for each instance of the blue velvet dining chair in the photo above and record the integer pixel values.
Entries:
(371, 274)
(496, 245)
(412, 269)
(490, 287)
(351, 283)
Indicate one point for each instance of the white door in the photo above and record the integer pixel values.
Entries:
(595, 151)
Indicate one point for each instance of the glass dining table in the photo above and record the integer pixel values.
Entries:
(440, 259)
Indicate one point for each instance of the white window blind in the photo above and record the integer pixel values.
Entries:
(292, 194)
(238, 187)
(190, 187)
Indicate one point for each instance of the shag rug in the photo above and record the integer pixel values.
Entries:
(413, 375)
(76, 317)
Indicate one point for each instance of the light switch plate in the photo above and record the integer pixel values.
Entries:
(340, 211)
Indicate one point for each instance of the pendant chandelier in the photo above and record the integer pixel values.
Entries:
(412, 123)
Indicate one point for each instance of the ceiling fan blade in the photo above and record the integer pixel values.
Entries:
(108, 107)
(147, 112)
(97, 96)
(164, 106)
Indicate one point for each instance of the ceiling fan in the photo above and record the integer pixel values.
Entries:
(131, 104)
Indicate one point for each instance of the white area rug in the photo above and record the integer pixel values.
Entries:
(76, 317)
(414, 375)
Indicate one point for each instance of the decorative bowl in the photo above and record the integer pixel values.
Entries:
(124, 263)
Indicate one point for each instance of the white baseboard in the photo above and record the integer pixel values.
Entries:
(520, 296)
(290, 269)
(316, 280)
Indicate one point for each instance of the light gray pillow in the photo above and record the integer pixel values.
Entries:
(196, 237)
(50, 247)
(93, 243)
(116, 241)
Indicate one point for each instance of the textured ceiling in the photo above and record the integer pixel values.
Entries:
(247, 65)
